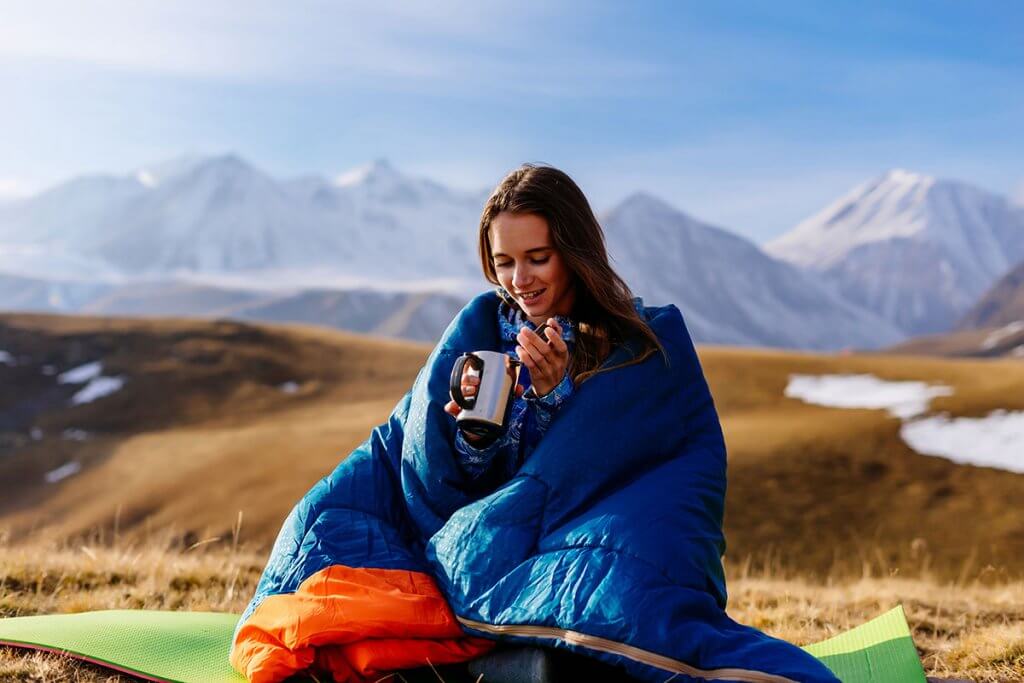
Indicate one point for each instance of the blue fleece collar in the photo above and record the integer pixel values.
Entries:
(512, 319)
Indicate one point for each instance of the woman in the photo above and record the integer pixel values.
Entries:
(594, 525)
(545, 268)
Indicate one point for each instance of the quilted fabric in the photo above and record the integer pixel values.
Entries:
(607, 541)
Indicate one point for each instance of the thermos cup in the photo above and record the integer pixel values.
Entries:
(486, 414)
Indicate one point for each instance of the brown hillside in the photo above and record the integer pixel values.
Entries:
(814, 487)
(201, 429)
(202, 432)
(1000, 306)
(989, 342)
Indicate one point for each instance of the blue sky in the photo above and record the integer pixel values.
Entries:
(749, 115)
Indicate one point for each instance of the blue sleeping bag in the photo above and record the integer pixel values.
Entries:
(607, 541)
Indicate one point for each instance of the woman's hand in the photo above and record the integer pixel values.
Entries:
(545, 358)
(470, 381)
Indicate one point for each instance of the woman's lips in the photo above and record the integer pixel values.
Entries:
(535, 299)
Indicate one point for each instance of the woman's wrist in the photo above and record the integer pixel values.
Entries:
(553, 396)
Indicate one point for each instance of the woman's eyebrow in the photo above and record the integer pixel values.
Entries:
(528, 251)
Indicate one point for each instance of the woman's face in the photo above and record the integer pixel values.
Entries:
(527, 263)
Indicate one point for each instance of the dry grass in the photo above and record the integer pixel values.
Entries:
(972, 629)
(968, 631)
(837, 517)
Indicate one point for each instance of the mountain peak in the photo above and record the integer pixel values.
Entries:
(378, 171)
(914, 248)
(226, 163)
(641, 197)
(641, 201)
(905, 177)
(152, 175)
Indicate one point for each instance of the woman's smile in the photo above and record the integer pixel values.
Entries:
(532, 297)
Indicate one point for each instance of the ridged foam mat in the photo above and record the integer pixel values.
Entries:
(192, 647)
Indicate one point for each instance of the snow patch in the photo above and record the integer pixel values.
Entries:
(81, 374)
(289, 387)
(996, 336)
(97, 388)
(6, 358)
(63, 472)
(74, 434)
(996, 440)
(901, 399)
(97, 385)
(993, 441)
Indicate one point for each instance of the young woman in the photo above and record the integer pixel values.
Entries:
(550, 268)
(592, 526)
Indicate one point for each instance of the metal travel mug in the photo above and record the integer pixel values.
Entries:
(487, 413)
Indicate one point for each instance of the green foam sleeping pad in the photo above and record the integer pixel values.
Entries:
(192, 647)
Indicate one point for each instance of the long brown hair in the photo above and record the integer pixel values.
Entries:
(603, 305)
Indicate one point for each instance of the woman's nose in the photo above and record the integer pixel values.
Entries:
(520, 278)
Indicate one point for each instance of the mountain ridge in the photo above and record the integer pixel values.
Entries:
(914, 249)
(1003, 304)
(193, 218)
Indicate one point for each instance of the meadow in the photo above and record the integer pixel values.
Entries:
(188, 471)
(971, 629)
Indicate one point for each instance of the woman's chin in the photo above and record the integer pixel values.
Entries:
(535, 311)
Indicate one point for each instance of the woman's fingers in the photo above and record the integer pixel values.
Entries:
(453, 408)
(469, 383)
(554, 337)
(539, 352)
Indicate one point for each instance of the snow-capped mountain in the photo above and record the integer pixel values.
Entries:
(916, 250)
(217, 236)
(220, 215)
(67, 213)
(727, 288)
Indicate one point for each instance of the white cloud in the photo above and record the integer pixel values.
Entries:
(409, 46)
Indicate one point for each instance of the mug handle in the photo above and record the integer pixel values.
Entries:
(455, 382)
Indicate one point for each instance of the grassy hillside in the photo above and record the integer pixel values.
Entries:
(973, 629)
(205, 430)
(823, 490)
(987, 342)
(205, 426)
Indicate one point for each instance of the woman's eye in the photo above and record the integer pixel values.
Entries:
(536, 262)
